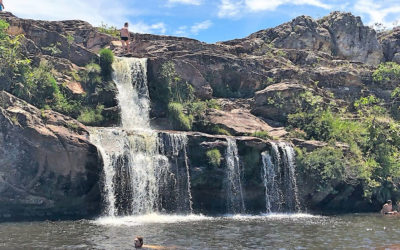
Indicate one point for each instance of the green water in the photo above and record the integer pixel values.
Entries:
(200, 232)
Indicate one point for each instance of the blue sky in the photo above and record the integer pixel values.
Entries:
(205, 20)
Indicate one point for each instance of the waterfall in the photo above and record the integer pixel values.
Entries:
(235, 201)
(279, 177)
(289, 165)
(137, 173)
(175, 147)
(134, 100)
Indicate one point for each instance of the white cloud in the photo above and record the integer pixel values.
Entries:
(182, 31)
(200, 26)
(230, 9)
(379, 11)
(93, 11)
(190, 2)
(235, 8)
(141, 27)
(194, 29)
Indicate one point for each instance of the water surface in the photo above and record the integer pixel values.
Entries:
(298, 231)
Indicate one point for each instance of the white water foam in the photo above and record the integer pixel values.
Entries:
(156, 218)
(153, 218)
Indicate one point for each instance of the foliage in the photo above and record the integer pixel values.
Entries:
(372, 137)
(90, 116)
(177, 117)
(53, 49)
(217, 130)
(106, 60)
(370, 105)
(178, 90)
(110, 30)
(91, 75)
(328, 166)
(12, 63)
(261, 134)
(214, 157)
(387, 72)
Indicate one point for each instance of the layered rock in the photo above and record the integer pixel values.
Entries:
(338, 34)
(276, 101)
(48, 168)
(390, 41)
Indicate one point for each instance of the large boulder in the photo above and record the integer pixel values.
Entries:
(390, 41)
(48, 168)
(242, 122)
(351, 39)
(277, 101)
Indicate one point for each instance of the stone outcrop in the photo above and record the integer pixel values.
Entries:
(276, 101)
(242, 122)
(338, 34)
(390, 41)
(48, 168)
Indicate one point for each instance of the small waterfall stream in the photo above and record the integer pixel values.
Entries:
(137, 171)
(235, 201)
(279, 177)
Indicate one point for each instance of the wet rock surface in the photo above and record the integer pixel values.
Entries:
(48, 168)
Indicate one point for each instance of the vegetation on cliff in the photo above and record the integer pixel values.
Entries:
(372, 136)
(36, 82)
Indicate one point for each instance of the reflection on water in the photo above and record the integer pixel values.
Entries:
(300, 231)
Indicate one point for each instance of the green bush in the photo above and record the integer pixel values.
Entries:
(389, 71)
(177, 117)
(12, 63)
(90, 116)
(110, 30)
(214, 157)
(327, 164)
(217, 130)
(262, 135)
(91, 75)
(106, 61)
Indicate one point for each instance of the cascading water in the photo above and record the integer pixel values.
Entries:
(291, 191)
(281, 194)
(135, 169)
(235, 201)
(175, 147)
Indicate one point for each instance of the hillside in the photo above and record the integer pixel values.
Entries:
(328, 86)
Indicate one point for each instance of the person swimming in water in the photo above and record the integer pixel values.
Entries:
(387, 208)
(139, 244)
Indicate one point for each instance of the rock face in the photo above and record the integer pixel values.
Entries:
(208, 182)
(276, 101)
(48, 169)
(351, 39)
(242, 122)
(391, 45)
(339, 34)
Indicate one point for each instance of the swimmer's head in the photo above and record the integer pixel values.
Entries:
(138, 241)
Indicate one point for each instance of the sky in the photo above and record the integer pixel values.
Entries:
(205, 20)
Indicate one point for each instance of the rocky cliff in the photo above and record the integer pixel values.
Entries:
(257, 81)
(48, 168)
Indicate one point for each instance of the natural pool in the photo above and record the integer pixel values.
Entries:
(275, 231)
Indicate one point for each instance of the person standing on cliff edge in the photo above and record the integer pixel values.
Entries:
(1, 5)
(125, 36)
